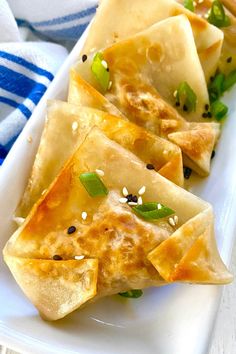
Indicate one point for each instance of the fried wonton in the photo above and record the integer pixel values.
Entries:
(67, 126)
(162, 56)
(112, 246)
(113, 23)
(138, 71)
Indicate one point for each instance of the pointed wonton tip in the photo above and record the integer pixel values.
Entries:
(191, 255)
(56, 288)
(197, 145)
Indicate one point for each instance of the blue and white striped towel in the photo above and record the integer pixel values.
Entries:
(28, 57)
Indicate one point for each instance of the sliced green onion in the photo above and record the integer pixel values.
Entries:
(152, 211)
(188, 4)
(93, 184)
(219, 110)
(215, 88)
(229, 81)
(186, 97)
(217, 16)
(100, 72)
(134, 294)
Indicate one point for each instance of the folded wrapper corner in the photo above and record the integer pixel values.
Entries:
(55, 288)
(130, 253)
(66, 127)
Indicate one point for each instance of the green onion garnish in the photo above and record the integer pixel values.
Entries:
(134, 294)
(152, 211)
(186, 97)
(229, 81)
(188, 4)
(100, 71)
(217, 16)
(215, 88)
(219, 110)
(93, 184)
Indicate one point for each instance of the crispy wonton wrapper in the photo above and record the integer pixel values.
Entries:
(120, 251)
(66, 128)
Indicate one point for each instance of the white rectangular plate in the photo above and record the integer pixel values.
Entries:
(176, 319)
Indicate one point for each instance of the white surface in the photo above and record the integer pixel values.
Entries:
(174, 319)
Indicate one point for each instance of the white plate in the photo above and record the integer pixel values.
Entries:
(176, 319)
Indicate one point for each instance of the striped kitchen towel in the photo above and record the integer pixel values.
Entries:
(35, 37)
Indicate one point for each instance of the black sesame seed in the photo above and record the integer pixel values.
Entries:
(213, 154)
(134, 199)
(229, 60)
(84, 58)
(206, 107)
(187, 172)
(185, 108)
(212, 78)
(177, 104)
(150, 166)
(71, 230)
(56, 257)
(204, 115)
(108, 69)
(209, 114)
(129, 198)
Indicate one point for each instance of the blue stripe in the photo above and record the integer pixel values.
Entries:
(23, 23)
(21, 85)
(3, 152)
(20, 106)
(72, 33)
(67, 18)
(26, 64)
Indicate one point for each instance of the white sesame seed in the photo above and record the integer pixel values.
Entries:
(194, 3)
(176, 219)
(29, 139)
(123, 200)
(200, 1)
(18, 220)
(104, 64)
(132, 203)
(84, 215)
(175, 93)
(75, 126)
(44, 191)
(140, 201)
(100, 172)
(171, 221)
(142, 190)
(159, 206)
(125, 192)
(78, 257)
(109, 85)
